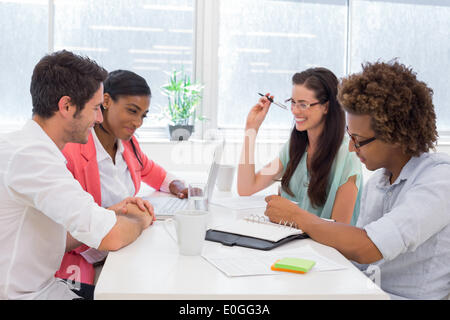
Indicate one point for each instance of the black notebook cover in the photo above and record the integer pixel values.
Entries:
(231, 239)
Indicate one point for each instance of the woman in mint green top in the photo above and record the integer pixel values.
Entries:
(345, 165)
(315, 166)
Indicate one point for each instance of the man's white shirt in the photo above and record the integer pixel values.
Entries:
(40, 202)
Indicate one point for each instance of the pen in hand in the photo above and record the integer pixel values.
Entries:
(276, 103)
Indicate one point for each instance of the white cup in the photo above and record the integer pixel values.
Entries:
(225, 177)
(190, 228)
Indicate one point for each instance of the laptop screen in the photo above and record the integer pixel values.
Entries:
(214, 169)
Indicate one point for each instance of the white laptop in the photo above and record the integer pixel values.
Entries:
(166, 205)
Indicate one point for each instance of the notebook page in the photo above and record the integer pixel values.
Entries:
(251, 263)
(261, 230)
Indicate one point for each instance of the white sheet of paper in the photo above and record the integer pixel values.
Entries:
(239, 265)
(240, 203)
(260, 229)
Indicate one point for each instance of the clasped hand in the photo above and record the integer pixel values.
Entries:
(135, 205)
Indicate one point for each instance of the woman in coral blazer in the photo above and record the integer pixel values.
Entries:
(111, 165)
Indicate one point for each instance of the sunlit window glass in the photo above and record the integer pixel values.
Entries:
(263, 43)
(147, 37)
(24, 30)
(416, 32)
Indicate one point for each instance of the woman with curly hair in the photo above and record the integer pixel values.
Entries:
(404, 222)
(317, 170)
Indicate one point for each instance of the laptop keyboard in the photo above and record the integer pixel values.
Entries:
(171, 206)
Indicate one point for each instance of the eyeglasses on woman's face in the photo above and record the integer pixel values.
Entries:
(301, 104)
(359, 144)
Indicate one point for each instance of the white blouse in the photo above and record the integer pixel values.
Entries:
(115, 179)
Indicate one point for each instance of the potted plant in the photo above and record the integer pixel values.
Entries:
(183, 99)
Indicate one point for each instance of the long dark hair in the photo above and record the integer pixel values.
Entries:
(126, 83)
(324, 83)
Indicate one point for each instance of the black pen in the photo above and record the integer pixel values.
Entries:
(276, 103)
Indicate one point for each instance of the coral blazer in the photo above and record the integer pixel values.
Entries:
(82, 162)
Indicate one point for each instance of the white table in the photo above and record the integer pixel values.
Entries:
(151, 268)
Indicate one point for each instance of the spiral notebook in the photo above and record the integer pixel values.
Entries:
(255, 232)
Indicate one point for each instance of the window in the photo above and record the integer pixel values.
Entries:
(147, 37)
(237, 48)
(416, 32)
(263, 43)
(26, 21)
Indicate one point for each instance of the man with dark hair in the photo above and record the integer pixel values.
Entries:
(40, 201)
(403, 229)
(64, 74)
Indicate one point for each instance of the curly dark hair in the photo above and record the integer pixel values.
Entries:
(400, 106)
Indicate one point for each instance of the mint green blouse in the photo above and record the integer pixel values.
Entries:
(345, 165)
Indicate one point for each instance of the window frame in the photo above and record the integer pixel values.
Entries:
(205, 70)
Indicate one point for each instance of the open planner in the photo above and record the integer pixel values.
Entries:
(254, 232)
